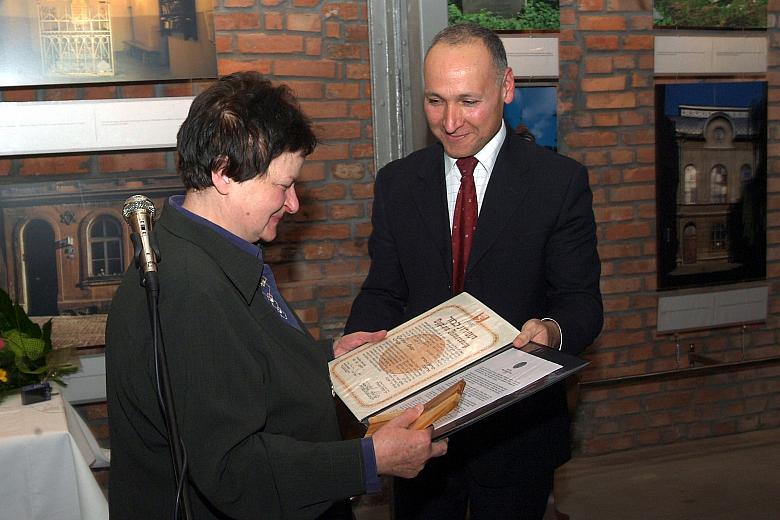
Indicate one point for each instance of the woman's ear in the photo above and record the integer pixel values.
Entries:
(221, 181)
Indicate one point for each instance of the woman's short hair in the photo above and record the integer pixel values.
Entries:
(239, 125)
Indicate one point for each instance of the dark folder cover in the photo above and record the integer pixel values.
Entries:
(569, 366)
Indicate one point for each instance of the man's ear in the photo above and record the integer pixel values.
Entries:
(221, 181)
(508, 84)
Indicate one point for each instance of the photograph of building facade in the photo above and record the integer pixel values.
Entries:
(66, 244)
(716, 229)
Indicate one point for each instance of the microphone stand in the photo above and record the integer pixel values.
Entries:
(150, 281)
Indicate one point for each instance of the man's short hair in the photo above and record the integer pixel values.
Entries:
(239, 125)
(463, 33)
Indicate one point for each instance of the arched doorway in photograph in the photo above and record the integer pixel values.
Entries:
(689, 244)
(40, 267)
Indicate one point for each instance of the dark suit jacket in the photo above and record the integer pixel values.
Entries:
(533, 255)
(252, 394)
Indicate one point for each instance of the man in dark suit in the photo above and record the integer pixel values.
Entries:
(250, 385)
(532, 259)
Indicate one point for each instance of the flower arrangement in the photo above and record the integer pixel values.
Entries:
(26, 353)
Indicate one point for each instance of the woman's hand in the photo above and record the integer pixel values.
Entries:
(402, 452)
(352, 341)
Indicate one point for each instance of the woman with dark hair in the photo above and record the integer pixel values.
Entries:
(250, 384)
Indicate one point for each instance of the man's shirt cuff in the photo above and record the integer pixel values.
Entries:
(370, 476)
(560, 332)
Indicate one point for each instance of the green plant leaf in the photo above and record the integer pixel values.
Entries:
(46, 330)
(34, 348)
(28, 356)
(63, 370)
(12, 316)
(6, 311)
(13, 341)
(25, 368)
(22, 344)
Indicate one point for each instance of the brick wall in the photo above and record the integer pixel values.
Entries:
(606, 116)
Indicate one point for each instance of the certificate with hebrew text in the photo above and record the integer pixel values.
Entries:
(418, 353)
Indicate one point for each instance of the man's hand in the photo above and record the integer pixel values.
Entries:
(352, 341)
(541, 332)
(401, 452)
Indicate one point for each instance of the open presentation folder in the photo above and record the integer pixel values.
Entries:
(461, 338)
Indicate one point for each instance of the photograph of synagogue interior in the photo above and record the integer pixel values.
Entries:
(562, 218)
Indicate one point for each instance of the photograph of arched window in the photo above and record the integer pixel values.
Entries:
(690, 184)
(105, 247)
(719, 186)
(66, 245)
(711, 183)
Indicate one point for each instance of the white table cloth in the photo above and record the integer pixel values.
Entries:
(45, 454)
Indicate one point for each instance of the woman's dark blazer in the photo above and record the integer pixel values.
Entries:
(252, 393)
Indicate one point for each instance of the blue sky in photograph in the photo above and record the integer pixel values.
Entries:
(740, 94)
(536, 108)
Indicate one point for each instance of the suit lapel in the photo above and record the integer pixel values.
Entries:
(430, 197)
(505, 191)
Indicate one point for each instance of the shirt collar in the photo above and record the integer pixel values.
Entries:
(487, 155)
(255, 250)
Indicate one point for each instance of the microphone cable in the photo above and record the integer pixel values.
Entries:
(139, 212)
(165, 399)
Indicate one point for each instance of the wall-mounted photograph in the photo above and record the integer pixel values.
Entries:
(89, 41)
(65, 243)
(710, 14)
(533, 114)
(711, 163)
(506, 15)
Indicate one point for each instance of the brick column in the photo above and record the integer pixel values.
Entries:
(319, 49)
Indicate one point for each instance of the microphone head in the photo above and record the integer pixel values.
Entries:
(136, 204)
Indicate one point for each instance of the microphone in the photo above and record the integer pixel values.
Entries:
(139, 212)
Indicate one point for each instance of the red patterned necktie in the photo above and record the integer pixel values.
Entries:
(464, 222)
